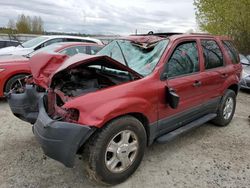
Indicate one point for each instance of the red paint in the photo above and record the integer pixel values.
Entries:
(14, 65)
(147, 95)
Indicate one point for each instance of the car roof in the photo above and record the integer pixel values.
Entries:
(155, 37)
(73, 37)
(198, 35)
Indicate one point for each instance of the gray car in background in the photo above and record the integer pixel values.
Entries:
(245, 79)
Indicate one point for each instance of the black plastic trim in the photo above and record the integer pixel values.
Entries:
(25, 105)
(60, 140)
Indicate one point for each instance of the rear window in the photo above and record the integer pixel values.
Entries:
(212, 54)
(232, 52)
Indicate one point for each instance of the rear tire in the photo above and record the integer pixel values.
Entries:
(13, 81)
(226, 109)
(116, 151)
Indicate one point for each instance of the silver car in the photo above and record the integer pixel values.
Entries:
(245, 78)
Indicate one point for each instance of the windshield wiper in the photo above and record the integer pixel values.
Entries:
(123, 56)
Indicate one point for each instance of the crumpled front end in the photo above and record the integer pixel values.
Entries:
(60, 140)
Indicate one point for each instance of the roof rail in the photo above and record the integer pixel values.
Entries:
(200, 33)
(158, 34)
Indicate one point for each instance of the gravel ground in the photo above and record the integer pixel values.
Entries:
(206, 157)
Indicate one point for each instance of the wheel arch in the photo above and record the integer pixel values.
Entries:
(139, 116)
(234, 87)
(11, 76)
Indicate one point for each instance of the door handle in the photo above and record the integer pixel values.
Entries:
(224, 75)
(197, 83)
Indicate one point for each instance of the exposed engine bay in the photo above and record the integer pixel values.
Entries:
(81, 80)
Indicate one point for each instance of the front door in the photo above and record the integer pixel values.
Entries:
(183, 76)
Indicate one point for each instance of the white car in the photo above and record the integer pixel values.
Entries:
(42, 41)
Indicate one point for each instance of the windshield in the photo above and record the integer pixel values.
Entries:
(34, 42)
(138, 57)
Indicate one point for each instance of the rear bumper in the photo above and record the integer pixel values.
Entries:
(60, 140)
(245, 83)
(25, 105)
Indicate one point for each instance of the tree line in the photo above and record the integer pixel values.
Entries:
(226, 17)
(26, 24)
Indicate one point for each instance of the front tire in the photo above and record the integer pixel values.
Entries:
(16, 82)
(116, 151)
(226, 109)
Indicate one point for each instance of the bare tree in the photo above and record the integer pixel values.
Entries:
(11, 24)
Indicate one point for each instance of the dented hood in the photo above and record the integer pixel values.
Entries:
(44, 66)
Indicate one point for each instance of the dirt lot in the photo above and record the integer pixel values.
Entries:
(206, 157)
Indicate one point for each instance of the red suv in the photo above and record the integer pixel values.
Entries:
(135, 91)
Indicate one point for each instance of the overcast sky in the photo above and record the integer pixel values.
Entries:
(105, 16)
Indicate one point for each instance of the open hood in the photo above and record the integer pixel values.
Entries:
(45, 66)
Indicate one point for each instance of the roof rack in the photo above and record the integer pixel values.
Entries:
(158, 34)
(199, 33)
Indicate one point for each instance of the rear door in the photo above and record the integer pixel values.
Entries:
(215, 72)
(183, 72)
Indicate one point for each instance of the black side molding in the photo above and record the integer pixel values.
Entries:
(173, 134)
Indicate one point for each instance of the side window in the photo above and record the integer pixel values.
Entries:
(2, 44)
(95, 49)
(184, 60)
(74, 50)
(231, 51)
(88, 41)
(71, 40)
(77, 40)
(49, 42)
(212, 54)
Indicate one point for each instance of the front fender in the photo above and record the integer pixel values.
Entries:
(99, 115)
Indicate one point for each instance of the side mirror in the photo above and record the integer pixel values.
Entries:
(172, 98)
(164, 76)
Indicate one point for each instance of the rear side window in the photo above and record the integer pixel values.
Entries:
(74, 50)
(231, 51)
(52, 41)
(212, 54)
(184, 60)
(94, 49)
(77, 40)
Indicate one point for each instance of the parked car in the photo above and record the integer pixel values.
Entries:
(13, 69)
(245, 79)
(7, 43)
(244, 59)
(248, 57)
(42, 41)
(137, 90)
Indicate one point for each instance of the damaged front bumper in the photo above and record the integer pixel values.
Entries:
(60, 140)
(25, 105)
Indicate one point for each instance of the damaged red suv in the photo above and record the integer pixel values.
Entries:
(137, 90)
